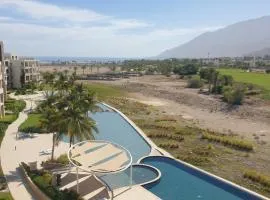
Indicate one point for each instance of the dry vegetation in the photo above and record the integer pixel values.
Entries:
(227, 156)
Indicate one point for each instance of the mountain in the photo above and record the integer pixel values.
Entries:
(234, 40)
(260, 53)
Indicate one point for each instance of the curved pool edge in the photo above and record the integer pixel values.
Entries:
(243, 189)
(154, 150)
(154, 169)
(151, 144)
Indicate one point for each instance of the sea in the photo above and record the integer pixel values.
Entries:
(56, 59)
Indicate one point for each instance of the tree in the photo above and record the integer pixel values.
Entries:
(75, 121)
(48, 77)
(165, 67)
(49, 121)
(234, 95)
(75, 69)
(83, 68)
(91, 68)
(187, 69)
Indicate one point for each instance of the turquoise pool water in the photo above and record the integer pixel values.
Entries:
(114, 128)
(141, 174)
(179, 182)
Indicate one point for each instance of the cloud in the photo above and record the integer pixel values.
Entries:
(46, 29)
(32, 39)
(44, 11)
(38, 10)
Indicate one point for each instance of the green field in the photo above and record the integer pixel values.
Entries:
(32, 124)
(258, 79)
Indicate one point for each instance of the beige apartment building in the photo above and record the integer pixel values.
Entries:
(21, 71)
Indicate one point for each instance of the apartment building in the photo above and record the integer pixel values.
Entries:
(21, 71)
(2, 81)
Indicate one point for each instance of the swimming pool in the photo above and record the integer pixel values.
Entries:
(142, 174)
(114, 128)
(181, 182)
(177, 182)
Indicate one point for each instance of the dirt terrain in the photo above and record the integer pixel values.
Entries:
(251, 120)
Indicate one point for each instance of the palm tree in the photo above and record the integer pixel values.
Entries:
(83, 68)
(74, 114)
(91, 68)
(49, 121)
(75, 69)
(62, 83)
(48, 77)
(66, 72)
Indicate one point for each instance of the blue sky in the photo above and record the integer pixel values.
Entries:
(115, 28)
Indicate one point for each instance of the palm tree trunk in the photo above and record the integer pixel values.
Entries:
(70, 141)
(53, 145)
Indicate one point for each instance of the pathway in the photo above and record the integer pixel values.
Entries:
(10, 161)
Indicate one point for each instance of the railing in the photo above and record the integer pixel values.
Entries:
(107, 186)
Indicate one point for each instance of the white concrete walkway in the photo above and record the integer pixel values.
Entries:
(10, 160)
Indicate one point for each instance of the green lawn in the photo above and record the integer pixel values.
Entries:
(32, 124)
(105, 91)
(9, 118)
(259, 79)
(5, 196)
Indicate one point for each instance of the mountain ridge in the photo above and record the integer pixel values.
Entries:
(233, 40)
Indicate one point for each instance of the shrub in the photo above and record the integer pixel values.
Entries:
(178, 138)
(168, 146)
(166, 127)
(43, 180)
(267, 71)
(194, 83)
(15, 106)
(234, 95)
(168, 119)
(257, 177)
(194, 159)
(63, 159)
(228, 141)
(188, 69)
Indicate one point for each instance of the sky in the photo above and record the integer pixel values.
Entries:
(115, 28)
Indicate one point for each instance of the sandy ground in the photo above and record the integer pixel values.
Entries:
(170, 95)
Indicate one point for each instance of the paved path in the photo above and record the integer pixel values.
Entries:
(10, 160)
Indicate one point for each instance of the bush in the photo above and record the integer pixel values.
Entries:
(267, 71)
(168, 146)
(43, 180)
(63, 159)
(15, 106)
(258, 178)
(188, 69)
(194, 83)
(234, 95)
(3, 128)
(228, 141)
(178, 138)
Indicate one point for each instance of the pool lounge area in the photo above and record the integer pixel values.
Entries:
(165, 177)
